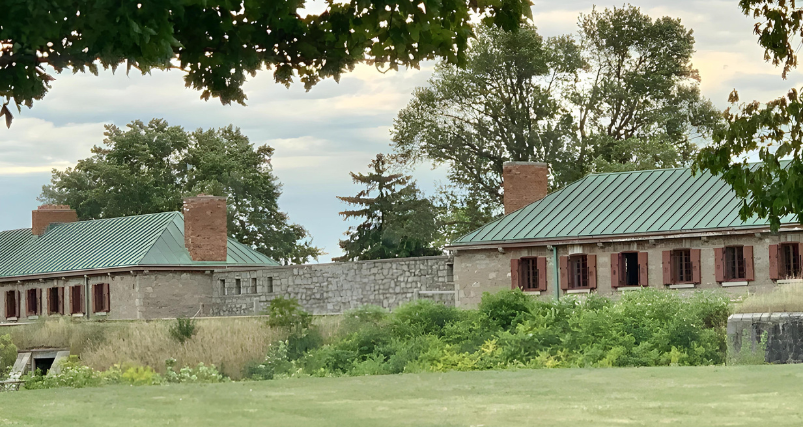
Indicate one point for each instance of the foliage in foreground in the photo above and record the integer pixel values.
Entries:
(8, 354)
(73, 374)
(182, 329)
(512, 330)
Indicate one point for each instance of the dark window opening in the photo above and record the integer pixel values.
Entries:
(681, 266)
(631, 268)
(76, 299)
(789, 260)
(43, 364)
(734, 263)
(528, 276)
(253, 288)
(12, 304)
(32, 302)
(238, 287)
(578, 271)
(269, 285)
(55, 300)
(100, 298)
(222, 286)
(450, 273)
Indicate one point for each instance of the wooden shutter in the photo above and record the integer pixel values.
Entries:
(564, 272)
(643, 273)
(514, 273)
(542, 273)
(106, 298)
(749, 273)
(61, 300)
(774, 262)
(591, 261)
(667, 267)
(616, 263)
(9, 304)
(695, 265)
(719, 264)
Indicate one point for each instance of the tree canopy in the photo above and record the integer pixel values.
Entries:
(397, 221)
(148, 168)
(771, 131)
(217, 43)
(622, 95)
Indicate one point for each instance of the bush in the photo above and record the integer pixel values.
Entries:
(506, 309)
(199, 374)
(367, 315)
(423, 317)
(8, 355)
(287, 312)
(182, 329)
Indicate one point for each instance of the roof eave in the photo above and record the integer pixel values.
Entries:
(577, 240)
(125, 269)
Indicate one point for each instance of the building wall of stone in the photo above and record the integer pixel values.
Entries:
(778, 335)
(335, 287)
(488, 270)
(171, 294)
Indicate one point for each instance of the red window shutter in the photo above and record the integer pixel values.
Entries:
(667, 267)
(564, 272)
(61, 300)
(719, 264)
(695, 266)
(774, 262)
(9, 304)
(643, 273)
(592, 271)
(616, 280)
(542, 273)
(749, 273)
(514, 273)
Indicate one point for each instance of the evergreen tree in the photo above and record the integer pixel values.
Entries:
(397, 221)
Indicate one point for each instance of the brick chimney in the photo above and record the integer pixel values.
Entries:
(524, 183)
(45, 215)
(205, 227)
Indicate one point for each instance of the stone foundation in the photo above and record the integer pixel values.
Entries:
(782, 332)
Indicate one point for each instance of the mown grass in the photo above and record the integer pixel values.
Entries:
(784, 298)
(228, 343)
(688, 396)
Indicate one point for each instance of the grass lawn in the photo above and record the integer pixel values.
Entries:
(698, 396)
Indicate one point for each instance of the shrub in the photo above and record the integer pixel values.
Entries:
(8, 355)
(182, 329)
(423, 317)
(287, 312)
(276, 362)
(367, 315)
(199, 374)
(506, 308)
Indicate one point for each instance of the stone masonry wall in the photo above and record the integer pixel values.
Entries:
(335, 287)
(488, 270)
(783, 333)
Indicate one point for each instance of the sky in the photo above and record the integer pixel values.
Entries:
(322, 135)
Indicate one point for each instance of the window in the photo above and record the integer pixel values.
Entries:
(12, 304)
(33, 306)
(222, 284)
(253, 288)
(681, 266)
(578, 271)
(528, 278)
(77, 299)
(269, 285)
(734, 263)
(450, 273)
(100, 298)
(55, 300)
(789, 260)
(238, 287)
(528, 273)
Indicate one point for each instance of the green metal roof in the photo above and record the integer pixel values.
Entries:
(623, 203)
(141, 240)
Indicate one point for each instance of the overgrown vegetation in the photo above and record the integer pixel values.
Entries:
(8, 354)
(784, 298)
(512, 330)
(182, 329)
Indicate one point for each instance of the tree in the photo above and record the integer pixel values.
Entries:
(621, 96)
(772, 131)
(397, 221)
(149, 168)
(217, 42)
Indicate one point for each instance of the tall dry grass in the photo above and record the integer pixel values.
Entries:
(228, 343)
(784, 298)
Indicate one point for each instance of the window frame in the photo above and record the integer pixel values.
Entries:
(238, 287)
(532, 263)
(675, 269)
(782, 261)
(101, 298)
(572, 275)
(77, 304)
(33, 306)
(15, 307)
(59, 300)
(734, 269)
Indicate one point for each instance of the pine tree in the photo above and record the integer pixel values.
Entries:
(397, 220)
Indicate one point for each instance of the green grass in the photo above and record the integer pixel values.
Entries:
(694, 396)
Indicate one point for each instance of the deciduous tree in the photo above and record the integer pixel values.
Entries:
(149, 168)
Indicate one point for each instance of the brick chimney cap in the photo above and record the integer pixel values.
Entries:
(542, 164)
(54, 208)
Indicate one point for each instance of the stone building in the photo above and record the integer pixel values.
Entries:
(614, 232)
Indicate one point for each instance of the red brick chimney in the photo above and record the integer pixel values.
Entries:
(45, 215)
(205, 227)
(524, 183)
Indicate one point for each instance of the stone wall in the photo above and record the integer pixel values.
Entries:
(487, 270)
(335, 287)
(782, 334)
